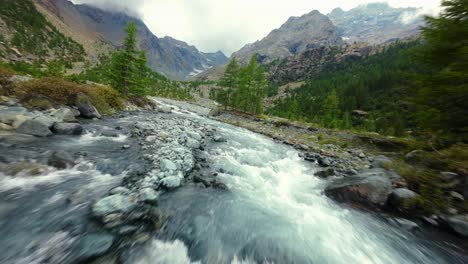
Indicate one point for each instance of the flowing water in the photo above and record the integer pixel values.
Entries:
(275, 211)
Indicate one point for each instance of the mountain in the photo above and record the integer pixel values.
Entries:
(297, 35)
(99, 30)
(376, 23)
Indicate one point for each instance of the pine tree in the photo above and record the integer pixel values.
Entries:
(331, 111)
(230, 81)
(444, 91)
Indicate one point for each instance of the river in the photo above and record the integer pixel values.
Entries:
(274, 212)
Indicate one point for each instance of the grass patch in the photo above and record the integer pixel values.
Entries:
(57, 91)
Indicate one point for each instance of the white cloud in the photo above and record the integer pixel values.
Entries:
(228, 25)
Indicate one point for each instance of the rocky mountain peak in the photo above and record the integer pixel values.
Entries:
(295, 36)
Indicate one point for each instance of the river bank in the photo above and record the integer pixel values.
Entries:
(165, 185)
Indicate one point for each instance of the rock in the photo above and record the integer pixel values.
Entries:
(8, 114)
(171, 182)
(447, 176)
(400, 196)
(46, 120)
(20, 78)
(125, 146)
(371, 191)
(6, 127)
(220, 185)
(325, 173)
(34, 128)
(165, 109)
(64, 114)
(414, 155)
(117, 203)
(192, 143)
(61, 160)
(91, 246)
(404, 223)
(361, 155)
(167, 165)
(381, 172)
(380, 162)
(25, 169)
(67, 129)
(219, 139)
(110, 133)
(457, 196)
(126, 230)
(148, 195)
(324, 162)
(459, 224)
(119, 190)
(19, 120)
(86, 108)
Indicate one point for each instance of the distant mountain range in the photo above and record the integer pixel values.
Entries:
(308, 41)
(100, 31)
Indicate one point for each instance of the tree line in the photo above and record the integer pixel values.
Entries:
(243, 88)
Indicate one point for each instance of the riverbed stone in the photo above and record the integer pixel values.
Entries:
(380, 162)
(64, 114)
(400, 196)
(67, 129)
(148, 195)
(91, 246)
(113, 204)
(370, 191)
(34, 128)
(459, 224)
(61, 160)
(46, 120)
(86, 108)
(219, 139)
(167, 165)
(119, 190)
(171, 182)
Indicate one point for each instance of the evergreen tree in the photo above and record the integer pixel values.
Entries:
(331, 111)
(444, 93)
(230, 81)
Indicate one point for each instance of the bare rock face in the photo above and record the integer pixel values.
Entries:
(297, 35)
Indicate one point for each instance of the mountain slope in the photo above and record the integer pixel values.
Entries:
(95, 27)
(297, 35)
(376, 23)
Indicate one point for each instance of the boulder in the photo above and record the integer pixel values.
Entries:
(219, 139)
(459, 224)
(91, 246)
(67, 129)
(167, 165)
(61, 160)
(46, 120)
(325, 173)
(192, 143)
(119, 190)
(165, 109)
(19, 120)
(171, 182)
(117, 203)
(86, 108)
(34, 128)
(324, 162)
(6, 127)
(64, 114)
(148, 195)
(371, 191)
(8, 114)
(394, 178)
(400, 196)
(380, 162)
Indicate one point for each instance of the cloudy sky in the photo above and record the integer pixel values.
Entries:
(228, 25)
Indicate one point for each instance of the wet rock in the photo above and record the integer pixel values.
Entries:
(110, 133)
(192, 143)
(380, 162)
(68, 129)
(64, 114)
(220, 186)
(8, 114)
(400, 196)
(371, 191)
(165, 109)
(404, 223)
(148, 195)
(325, 173)
(167, 165)
(24, 169)
(431, 220)
(126, 230)
(117, 203)
(6, 127)
(19, 120)
(194, 135)
(457, 196)
(34, 128)
(125, 146)
(382, 173)
(119, 190)
(171, 182)
(61, 160)
(219, 139)
(459, 224)
(46, 120)
(324, 162)
(86, 108)
(200, 179)
(91, 246)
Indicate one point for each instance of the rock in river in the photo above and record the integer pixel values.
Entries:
(371, 191)
(34, 128)
(61, 160)
(400, 196)
(68, 129)
(113, 204)
(91, 246)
